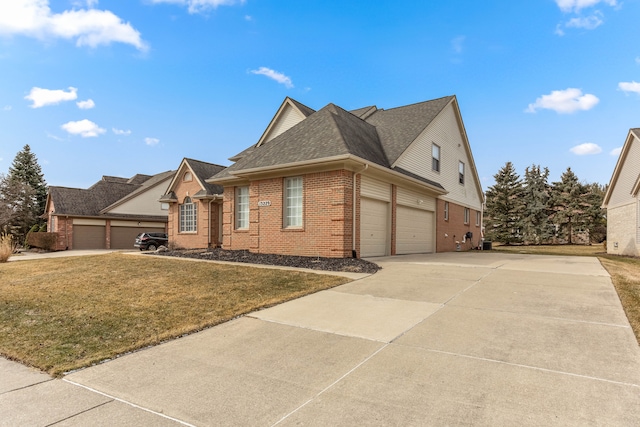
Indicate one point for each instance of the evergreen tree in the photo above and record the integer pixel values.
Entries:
(536, 196)
(569, 205)
(23, 194)
(505, 206)
(595, 216)
(25, 169)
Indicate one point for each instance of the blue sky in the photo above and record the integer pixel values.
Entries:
(124, 87)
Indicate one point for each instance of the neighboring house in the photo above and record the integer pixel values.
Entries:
(109, 214)
(195, 206)
(367, 182)
(622, 200)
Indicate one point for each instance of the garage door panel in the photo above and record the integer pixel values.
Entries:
(414, 233)
(89, 237)
(374, 225)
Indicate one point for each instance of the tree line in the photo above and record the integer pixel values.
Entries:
(23, 195)
(531, 210)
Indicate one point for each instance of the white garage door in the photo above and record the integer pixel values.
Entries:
(414, 231)
(374, 226)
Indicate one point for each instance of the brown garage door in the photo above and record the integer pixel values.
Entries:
(89, 237)
(125, 237)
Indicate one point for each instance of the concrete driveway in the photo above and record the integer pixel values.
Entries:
(474, 338)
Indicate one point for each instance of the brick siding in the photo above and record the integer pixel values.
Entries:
(327, 212)
(206, 219)
(448, 232)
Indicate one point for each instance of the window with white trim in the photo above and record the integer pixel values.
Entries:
(461, 173)
(467, 214)
(242, 208)
(435, 157)
(478, 218)
(187, 176)
(446, 211)
(293, 202)
(188, 216)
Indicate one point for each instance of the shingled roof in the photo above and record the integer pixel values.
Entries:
(378, 136)
(102, 194)
(204, 170)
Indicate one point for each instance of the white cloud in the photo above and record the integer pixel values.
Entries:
(85, 128)
(52, 136)
(638, 60)
(457, 44)
(586, 149)
(588, 23)
(274, 75)
(564, 101)
(7, 108)
(151, 141)
(42, 97)
(629, 87)
(121, 132)
(577, 5)
(198, 6)
(86, 105)
(88, 27)
(616, 151)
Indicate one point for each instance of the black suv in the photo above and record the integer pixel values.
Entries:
(151, 241)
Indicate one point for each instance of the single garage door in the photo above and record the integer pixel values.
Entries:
(374, 227)
(414, 230)
(89, 236)
(125, 237)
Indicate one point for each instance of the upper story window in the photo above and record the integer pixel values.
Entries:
(187, 176)
(446, 211)
(293, 202)
(435, 157)
(188, 216)
(461, 173)
(242, 208)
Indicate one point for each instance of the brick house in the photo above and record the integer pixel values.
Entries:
(109, 214)
(367, 182)
(195, 206)
(622, 200)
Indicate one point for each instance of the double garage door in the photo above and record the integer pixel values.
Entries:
(414, 221)
(94, 236)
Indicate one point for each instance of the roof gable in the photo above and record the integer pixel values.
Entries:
(399, 127)
(106, 193)
(290, 113)
(328, 132)
(201, 171)
(148, 182)
(627, 172)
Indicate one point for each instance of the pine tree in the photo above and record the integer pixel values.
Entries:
(595, 216)
(505, 207)
(25, 169)
(23, 194)
(536, 196)
(569, 205)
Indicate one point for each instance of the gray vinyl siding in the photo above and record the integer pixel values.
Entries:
(621, 192)
(287, 119)
(446, 133)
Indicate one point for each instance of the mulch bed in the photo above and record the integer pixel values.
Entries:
(351, 265)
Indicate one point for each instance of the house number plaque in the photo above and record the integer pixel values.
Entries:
(263, 203)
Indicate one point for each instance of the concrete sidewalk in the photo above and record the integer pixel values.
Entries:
(445, 339)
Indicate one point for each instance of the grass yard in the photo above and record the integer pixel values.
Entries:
(63, 314)
(624, 271)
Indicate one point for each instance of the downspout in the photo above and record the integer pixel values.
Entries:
(353, 211)
(209, 232)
